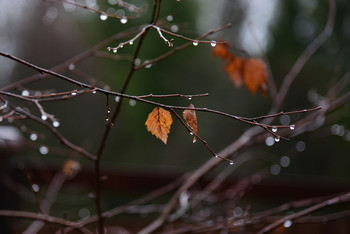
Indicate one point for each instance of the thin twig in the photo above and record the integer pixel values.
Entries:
(130, 6)
(305, 56)
(250, 133)
(198, 137)
(115, 113)
(168, 42)
(335, 200)
(187, 96)
(47, 218)
(46, 204)
(55, 132)
(72, 61)
(179, 48)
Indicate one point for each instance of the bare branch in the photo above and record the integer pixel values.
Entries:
(305, 56)
(47, 218)
(335, 200)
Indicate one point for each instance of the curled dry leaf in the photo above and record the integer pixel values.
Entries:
(159, 122)
(191, 120)
(250, 72)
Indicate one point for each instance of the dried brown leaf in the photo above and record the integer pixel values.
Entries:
(251, 72)
(159, 122)
(234, 70)
(71, 168)
(191, 120)
(254, 75)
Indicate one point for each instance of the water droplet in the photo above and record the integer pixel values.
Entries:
(103, 17)
(69, 7)
(137, 61)
(33, 136)
(132, 102)
(292, 127)
(337, 129)
(131, 42)
(274, 129)
(287, 224)
(216, 156)
(195, 43)
(94, 91)
(74, 93)
(269, 141)
(35, 188)
(231, 162)
(115, 50)
(44, 117)
(91, 195)
(285, 119)
(84, 213)
(121, 45)
(189, 98)
(123, 20)
(44, 150)
(285, 161)
(25, 93)
(71, 67)
(275, 169)
(109, 48)
(237, 212)
(174, 28)
(108, 111)
(213, 43)
(300, 146)
(191, 133)
(148, 65)
(169, 18)
(117, 98)
(277, 139)
(107, 119)
(55, 123)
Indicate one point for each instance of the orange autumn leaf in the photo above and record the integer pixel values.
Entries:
(234, 70)
(250, 72)
(191, 120)
(71, 168)
(254, 75)
(221, 51)
(159, 122)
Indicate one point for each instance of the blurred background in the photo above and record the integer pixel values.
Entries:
(48, 33)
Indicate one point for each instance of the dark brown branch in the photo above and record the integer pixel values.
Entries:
(46, 204)
(130, 6)
(305, 56)
(198, 137)
(55, 132)
(179, 48)
(72, 61)
(187, 96)
(250, 133)
(46, 218)
(113, 118)
(335, 200)
(142, 200)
